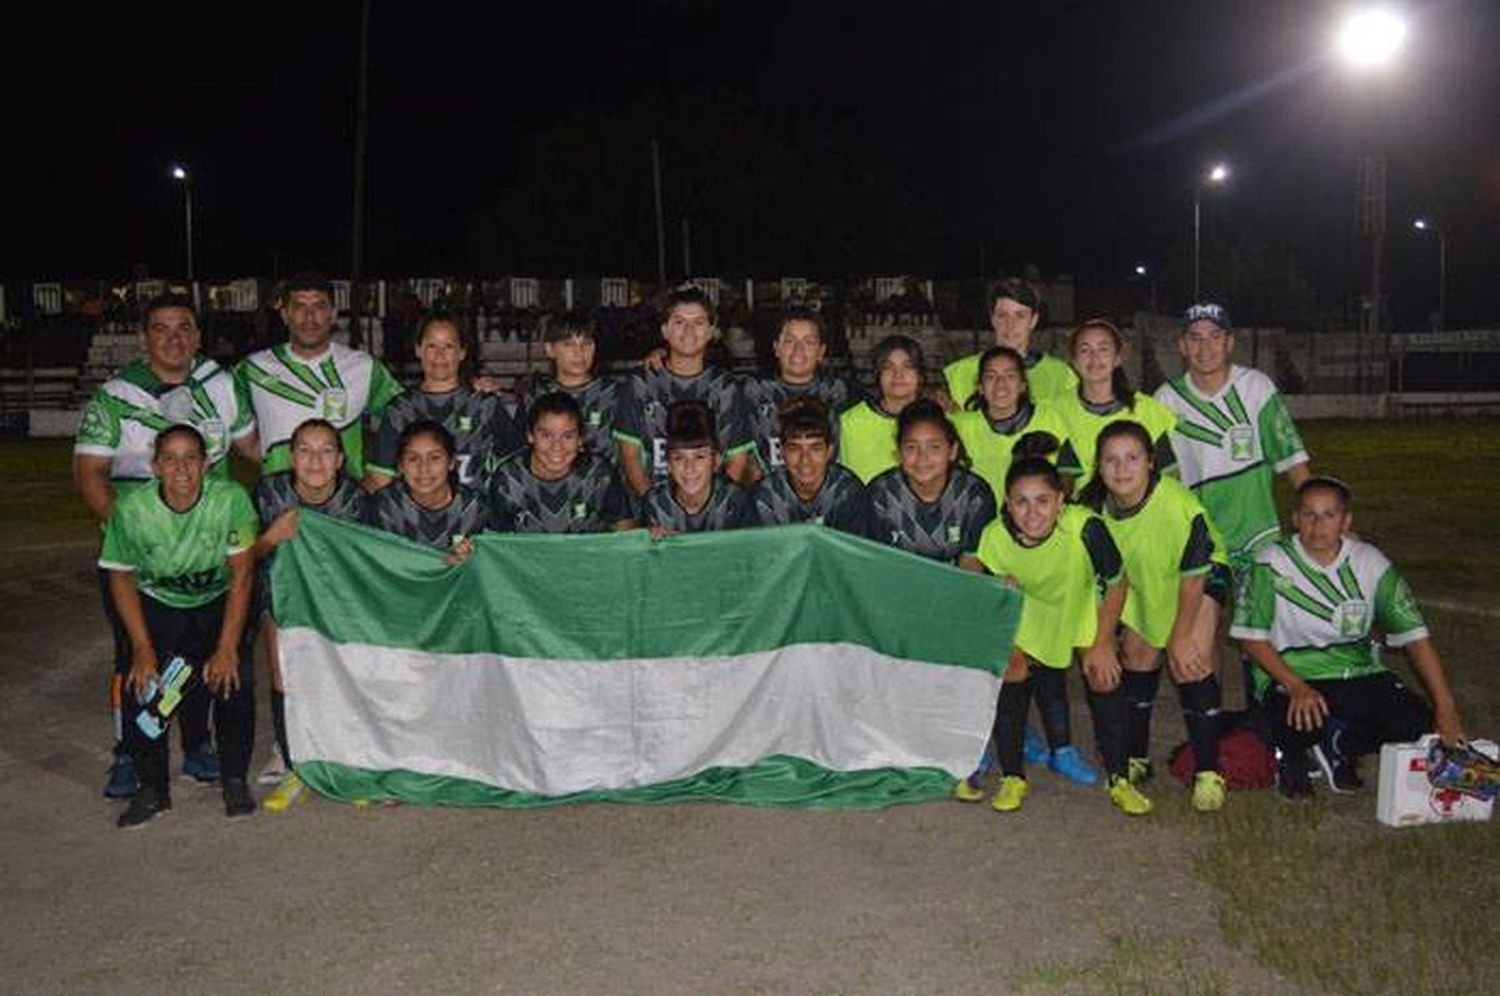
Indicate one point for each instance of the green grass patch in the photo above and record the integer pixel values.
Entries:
(1135, 962)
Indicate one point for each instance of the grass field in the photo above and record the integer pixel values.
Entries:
(1319, 894)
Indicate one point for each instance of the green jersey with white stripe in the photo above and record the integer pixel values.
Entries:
(1230, 446)
(341, 385)
(122, 419)
(181, 559)
(1320, 619)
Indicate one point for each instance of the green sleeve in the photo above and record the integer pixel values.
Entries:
(244, 524)
(117, 551)
(384, 388)
(1255, 609)
(99, 426)
(1396, 609)
(1279, 439)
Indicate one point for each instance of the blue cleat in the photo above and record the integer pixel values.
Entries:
(1066, 761)
(1034, 750)
(201, 763)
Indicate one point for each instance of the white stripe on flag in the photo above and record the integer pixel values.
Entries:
(554, 727)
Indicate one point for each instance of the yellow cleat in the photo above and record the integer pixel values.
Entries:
(286, 794)
(1208, 791)
(968, 790)
(1127, 797)
(1010, 794)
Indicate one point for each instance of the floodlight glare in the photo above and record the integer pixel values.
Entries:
(1140, 269)
(1218, 173)
(1421, 224)
(178, 173)
(1370, 37)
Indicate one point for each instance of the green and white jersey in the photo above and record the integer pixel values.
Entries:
(122, 419)
(1061, 577)
(591, 499)
(641, 419)
(991, 444)
(767, 396)
(944, 529)
(180, 559)
(867, 440)
(1085, 420)
(1164, 538)
(393, 509)
(1320, 619)
(841, 503)
(1230, 446)
(728, 507)
(483, 431)
(598, 400)
(1047, 378)
(342, 385)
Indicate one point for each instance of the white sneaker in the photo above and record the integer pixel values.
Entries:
(273, 772)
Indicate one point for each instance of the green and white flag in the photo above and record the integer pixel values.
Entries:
(787, 666)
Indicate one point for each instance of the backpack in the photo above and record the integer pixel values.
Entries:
(1244, 759)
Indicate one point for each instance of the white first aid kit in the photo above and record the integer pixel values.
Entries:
(1408, 799)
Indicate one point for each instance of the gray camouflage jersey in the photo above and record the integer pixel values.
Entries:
(598, 400)
(591, 499)
(483, 431)
(941, 530)
(392, 509)
(766, 396)
(841, 503)
(642, 413)
(728, 508)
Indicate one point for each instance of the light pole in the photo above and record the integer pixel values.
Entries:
(1369, 39)
(1218, 175)
(1426, 225)
(180, 174)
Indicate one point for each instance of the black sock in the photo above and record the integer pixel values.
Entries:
(1010, 726)
(1200, 711)
(1050, 689)
(278, 720)
(1109, 729)
(1139, 688)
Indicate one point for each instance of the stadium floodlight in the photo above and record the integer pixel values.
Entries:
(1430, 225)
(1141, 269)
(1217, 174)
(1370, 37)
(180, 174)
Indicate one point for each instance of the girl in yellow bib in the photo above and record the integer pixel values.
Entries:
(867, 431)
(1105, 395)
(1179, 577)
(1001, 413)
(1061, 556)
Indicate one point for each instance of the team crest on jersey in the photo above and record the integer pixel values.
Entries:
(333, 404)
(1352, 618)
(580, 510)
(465, 423)
(955, 533)
(596, 417)
(1241, 443)
(651, 410)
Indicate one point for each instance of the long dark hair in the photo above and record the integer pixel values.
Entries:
(1119, 380)
(929, 411)
(975, 401)
(1094, 492)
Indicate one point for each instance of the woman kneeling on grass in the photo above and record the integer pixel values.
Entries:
(1179, 577)
(178, 556)
(1060, 556)
(428, 505)
(316, 483)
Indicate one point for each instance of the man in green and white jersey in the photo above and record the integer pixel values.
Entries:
(1015, 310)
(1233, 435)
(173, 385)
(1314, 600)
(311, 376)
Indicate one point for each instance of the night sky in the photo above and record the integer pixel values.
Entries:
(817, 139)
